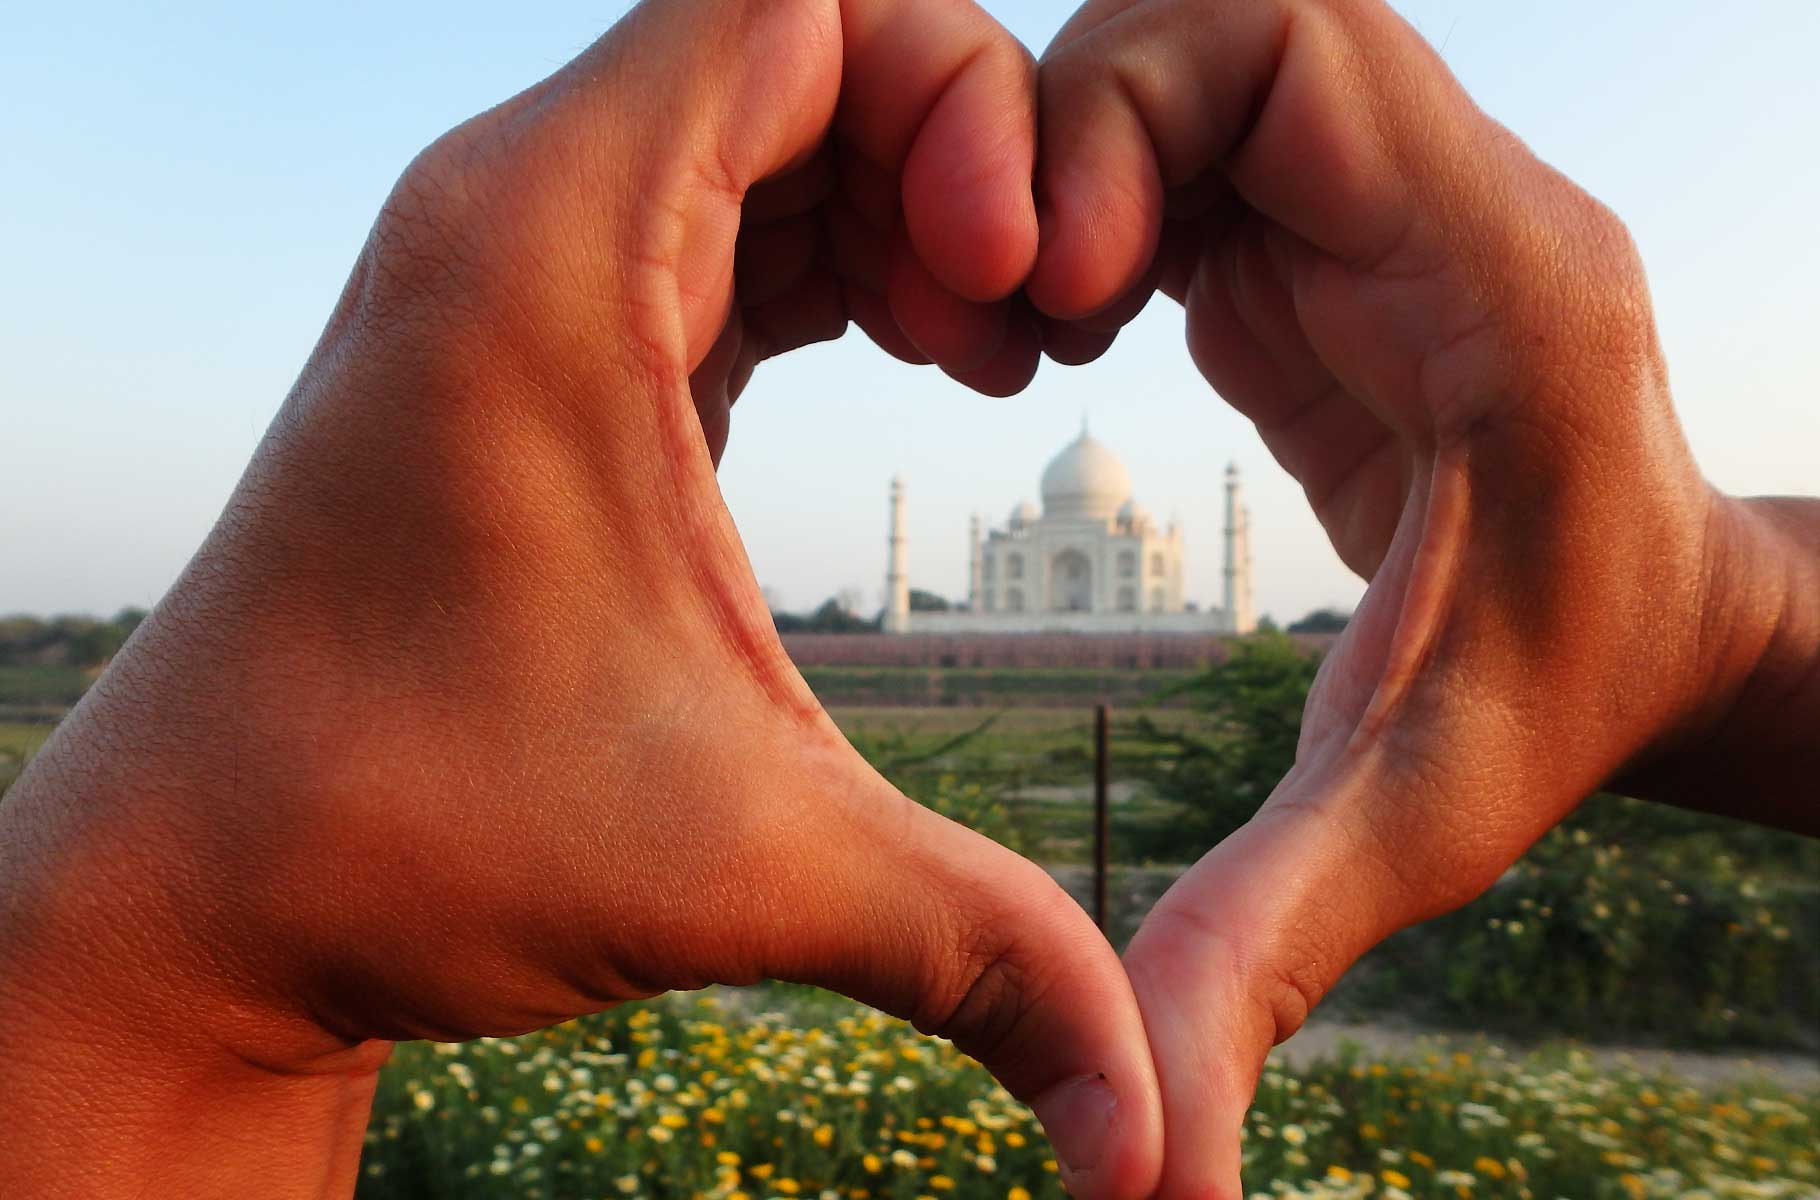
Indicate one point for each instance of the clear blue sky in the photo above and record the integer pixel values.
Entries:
(183, 189)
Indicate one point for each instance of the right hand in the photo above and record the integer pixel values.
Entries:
(1450, 347)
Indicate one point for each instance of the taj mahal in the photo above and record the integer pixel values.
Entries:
(1090, 561)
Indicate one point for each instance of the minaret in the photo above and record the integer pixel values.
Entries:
(1236, 592)
(1248, 620)
(973, 564)
(897, 576)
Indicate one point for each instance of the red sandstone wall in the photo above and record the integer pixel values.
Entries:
(1111, 651)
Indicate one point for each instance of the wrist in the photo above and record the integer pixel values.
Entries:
(1749, 742)
(137, 1059)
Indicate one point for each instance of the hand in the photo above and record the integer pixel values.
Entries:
(469, 716)
(1451, 348)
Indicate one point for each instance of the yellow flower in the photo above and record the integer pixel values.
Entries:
(1395, 1179)
(1017, 1193)
(1014, 1139)
(788, 1187)
(1489, 1166)
(673, 1120)
(713, 1116)
(823, 1135)
(727, 1158)
(1339, 1174)
(594, 1145)
(941, 1183)
(1420, 1159)
(872, 1163)
(1633, 1186)
(761, 1170)
(659, 1133)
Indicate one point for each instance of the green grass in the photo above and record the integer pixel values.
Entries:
(970, 686)
(1036, 763)
(18, 742)
(21, 739)
(42, 687)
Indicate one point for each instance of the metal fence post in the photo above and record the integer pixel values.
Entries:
(1101, 822)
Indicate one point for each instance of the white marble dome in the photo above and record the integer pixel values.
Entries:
(1085, 480)
(1024, 514)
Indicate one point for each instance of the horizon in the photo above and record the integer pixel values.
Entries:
(189, 191)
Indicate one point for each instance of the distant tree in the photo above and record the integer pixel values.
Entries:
(831, 617)
(921, 601)
(65, 641)
(1216, 773)
(1268, 624)
(1321, 620)
(21, 639)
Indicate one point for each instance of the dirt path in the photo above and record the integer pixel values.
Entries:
(1322, 1039)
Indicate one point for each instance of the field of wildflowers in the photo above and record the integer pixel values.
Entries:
(707, 1097)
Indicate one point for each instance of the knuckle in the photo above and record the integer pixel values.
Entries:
(984, 1018)
(426, 226)
(999, 975)
(1278, 977)
(1289, 992)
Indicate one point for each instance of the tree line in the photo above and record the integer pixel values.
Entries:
(65, 641)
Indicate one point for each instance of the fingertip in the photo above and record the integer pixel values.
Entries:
(872, 313)
(1101, 209)
(1071, 345)
(960, 334)
(1012, 367)
(1100, 1143)
(967, 179)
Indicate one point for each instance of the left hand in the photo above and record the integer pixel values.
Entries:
(469, 716)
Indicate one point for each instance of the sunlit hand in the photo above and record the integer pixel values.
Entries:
(469, 716)
(1451, 348)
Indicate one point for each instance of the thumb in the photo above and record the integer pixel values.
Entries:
(897, 906)
(1231, 960)
(1408, 798)
(670, 120)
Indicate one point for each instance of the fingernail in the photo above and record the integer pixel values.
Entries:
(1077, 1114)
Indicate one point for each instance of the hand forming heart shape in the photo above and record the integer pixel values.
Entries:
(469, 716)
